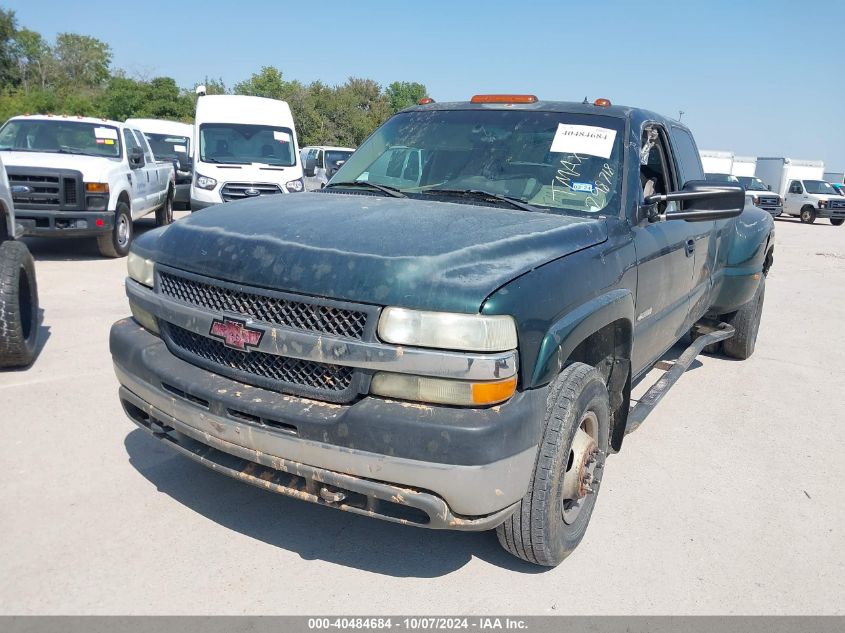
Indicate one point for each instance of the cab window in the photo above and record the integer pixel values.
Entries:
(795, 187)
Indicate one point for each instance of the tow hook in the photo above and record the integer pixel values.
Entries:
(331, 496)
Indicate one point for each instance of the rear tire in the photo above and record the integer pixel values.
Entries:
(837, 221)
(746, 322)
(808, 215)
(18, 306)
(164, 214)
(551, 519)
(117, 242)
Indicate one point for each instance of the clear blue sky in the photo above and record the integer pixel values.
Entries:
(759, 78)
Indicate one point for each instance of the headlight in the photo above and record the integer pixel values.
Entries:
(140, 269)
(204, 182)
(755, 200)
(442, 391)
(294, 185)
(822, 204)
(444, 330)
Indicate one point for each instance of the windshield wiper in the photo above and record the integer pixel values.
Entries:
(479, 193)
(390, 191)
(223, 162)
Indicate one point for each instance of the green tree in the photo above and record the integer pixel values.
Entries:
(8, 49)
(268, 82)
(403, 94)
(80, 60)
(33, 55)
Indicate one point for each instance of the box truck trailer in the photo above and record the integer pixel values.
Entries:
(744, 166)
(716, 163)
(803, 188)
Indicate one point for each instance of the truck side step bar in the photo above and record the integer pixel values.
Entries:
(707, 333)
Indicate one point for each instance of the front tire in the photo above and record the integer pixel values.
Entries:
(552, 517)
(808, 215)
(117, 242)
(18, 306)
(746, 322)
(837, 221)
(164, 214)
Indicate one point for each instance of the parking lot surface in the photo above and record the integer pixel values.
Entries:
(728, 500)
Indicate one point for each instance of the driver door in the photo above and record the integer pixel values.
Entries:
(794, 198)
(665, 260)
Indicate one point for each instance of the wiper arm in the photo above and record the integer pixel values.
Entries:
(393, 192)
(223, 162)
(480, 193)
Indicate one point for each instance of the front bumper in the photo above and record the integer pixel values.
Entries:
(836, 214)
(774, 211)
(435, 467)
(64, 223)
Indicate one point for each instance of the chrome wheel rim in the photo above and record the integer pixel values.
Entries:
(122, 231)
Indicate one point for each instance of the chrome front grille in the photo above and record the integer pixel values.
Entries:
(769, 201)
(242, 190)
(836, 204)
(265, 306)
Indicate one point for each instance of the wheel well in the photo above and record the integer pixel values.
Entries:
(808, 206)
(124, 197)
(609, 351)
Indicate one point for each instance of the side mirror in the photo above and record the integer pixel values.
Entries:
(136, 157)
(702, 201)
(183, 162)
(769, 187)
(310, 166)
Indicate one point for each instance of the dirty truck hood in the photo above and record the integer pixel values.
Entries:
(385, 251)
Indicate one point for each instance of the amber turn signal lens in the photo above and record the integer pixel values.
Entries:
(96, 187)
(425, 101)
(602, 103)
(504, 99)
(493, 392)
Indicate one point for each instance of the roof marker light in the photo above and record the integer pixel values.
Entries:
(504, 99)
(602, 103)
(425, 101)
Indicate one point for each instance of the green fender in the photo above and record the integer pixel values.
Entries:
(575, 326)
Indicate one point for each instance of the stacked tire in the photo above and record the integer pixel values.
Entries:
(18, 306)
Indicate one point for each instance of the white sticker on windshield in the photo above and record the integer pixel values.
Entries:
(105, 132)
(282, 137)
(180, 148)
(583, 139)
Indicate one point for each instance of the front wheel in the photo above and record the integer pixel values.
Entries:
(164, 214)
(808, 215)
(18, 306)
(553, 515)
(837, 221)
(117, 242)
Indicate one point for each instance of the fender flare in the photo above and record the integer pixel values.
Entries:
(576, 325)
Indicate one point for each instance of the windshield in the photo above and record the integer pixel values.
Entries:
(234, 143)
(60, 136)
(165, 146)
(554, 160)
(721, 178)
(333, 157)
(819, 187)
(752, 183)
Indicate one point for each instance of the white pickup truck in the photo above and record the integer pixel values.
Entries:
(78, 176)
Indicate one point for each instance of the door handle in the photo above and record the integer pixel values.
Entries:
(690, 247)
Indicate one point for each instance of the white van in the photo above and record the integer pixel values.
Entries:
(320, 162)
(171, 141)
(243, 147)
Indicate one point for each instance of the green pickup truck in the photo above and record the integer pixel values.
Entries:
(446, 338)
